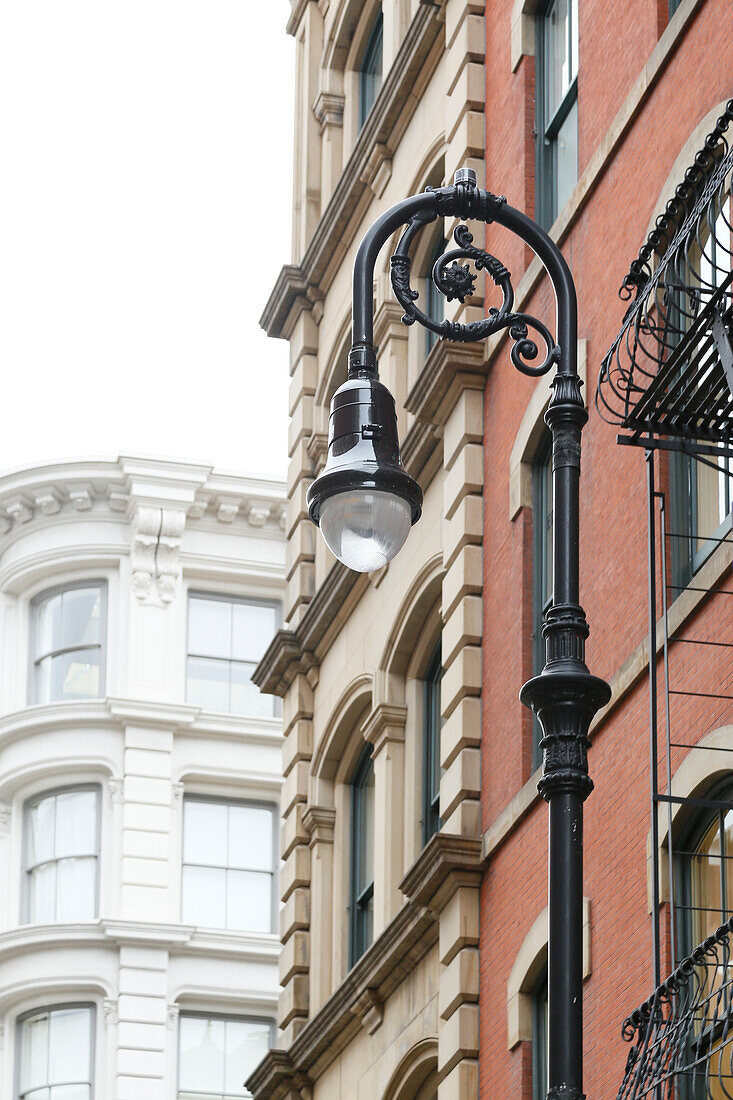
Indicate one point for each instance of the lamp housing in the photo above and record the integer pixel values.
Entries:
(364, 501)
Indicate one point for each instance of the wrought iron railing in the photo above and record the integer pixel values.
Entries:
(670, 369)
(683, 1035)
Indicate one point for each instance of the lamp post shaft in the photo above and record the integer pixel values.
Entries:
(564, 696)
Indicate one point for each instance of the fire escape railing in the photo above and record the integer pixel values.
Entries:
(683, 1035)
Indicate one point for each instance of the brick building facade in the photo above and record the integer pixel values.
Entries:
(423, 977)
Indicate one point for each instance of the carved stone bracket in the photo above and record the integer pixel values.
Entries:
(156, 540)
(318, 822)
(329, 109)
(6, 812)
(386, 723)
(370, 1010)
(110, 1008)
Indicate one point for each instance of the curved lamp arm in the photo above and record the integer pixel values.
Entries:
(365, 484)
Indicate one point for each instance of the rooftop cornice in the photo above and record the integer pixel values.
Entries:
(309, 280)
(123, 485)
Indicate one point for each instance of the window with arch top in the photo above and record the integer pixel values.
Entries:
(68, 643)
(704, 866)
(361, 900)
(61, 856)
(370, 70)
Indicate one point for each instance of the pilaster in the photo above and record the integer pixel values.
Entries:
(319, 824)
(385, 730)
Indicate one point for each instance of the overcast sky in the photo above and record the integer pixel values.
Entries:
(145, 197)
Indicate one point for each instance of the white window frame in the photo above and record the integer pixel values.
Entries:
(36, 658)
(28, 805)
(227, 597)
(234, 1017)
(41, 1011)
(253, 803)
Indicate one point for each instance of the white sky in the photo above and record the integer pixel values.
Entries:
(145, 195)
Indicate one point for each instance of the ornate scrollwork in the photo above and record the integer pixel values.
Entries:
(456, 281)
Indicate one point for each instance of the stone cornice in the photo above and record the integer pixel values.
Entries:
(319, 822)
(449, 369)
(367, 986)
(397, 100)
(297, 7)
(446, 862)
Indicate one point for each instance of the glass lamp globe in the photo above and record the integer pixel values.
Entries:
(365, 528)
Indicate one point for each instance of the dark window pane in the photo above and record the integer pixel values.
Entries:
(370, 76)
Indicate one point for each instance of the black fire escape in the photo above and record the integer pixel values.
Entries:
(667, 382)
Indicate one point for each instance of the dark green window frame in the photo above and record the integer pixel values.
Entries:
(549, 123)
(541, 567)
(686, 850)
(431, 746)
(361, 890)
(370, 70)
(434, 300)
(539, 1038)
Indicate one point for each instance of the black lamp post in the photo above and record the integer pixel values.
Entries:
(365, 502)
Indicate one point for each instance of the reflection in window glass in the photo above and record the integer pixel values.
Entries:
(228, 866)
(56, 1054)
(434, 300)
(67, 651)
(61, 857)
(370, 73)
(557, 108)
(226, 639)
(362, 857)
(217, 1054)
(431, 747)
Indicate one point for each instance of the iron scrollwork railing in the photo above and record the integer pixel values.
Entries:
(683, 1035)
(670, 369)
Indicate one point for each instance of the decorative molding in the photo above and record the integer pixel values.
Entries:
(156, 540)
(378, 169)
(177, 790)
(395, 105)
(6, 814)
(172, 1016)
(382, 968)
(116, 789)
(370, 1009)
(385, 723)
(49, 503)
(446, 862)
(19, 510)
(82, 497)
(319, 822)
(329, 109)
(110, 1009)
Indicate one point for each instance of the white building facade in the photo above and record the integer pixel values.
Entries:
(140, 777)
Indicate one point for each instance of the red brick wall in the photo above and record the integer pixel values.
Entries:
(616, 43)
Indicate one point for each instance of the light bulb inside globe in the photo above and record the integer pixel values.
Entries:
(365, 528)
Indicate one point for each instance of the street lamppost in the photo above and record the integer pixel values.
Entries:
(365, 503)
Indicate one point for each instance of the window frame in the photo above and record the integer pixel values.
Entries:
(539, 1036)
(28, 805)
(252, 803)
(224, 597)
(685, 849)
(542, 565)
(367, 89)
(432, 723)
(434, 300)
(547, 207)
(225, 1016)
(35, 660)
(358, 903)
(58, 1007)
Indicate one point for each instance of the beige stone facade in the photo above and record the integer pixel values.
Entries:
(403, 1021)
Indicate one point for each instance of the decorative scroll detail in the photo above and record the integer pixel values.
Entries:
(664, 373)
(456, 281)
(683, 1033)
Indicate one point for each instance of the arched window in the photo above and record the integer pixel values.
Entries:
(539, 1038)
(431, 746)
(542, 579)
(361, 900)
(370, 70)
(55, 1052)
(68, 643)
(705, 871)
(434, 301)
